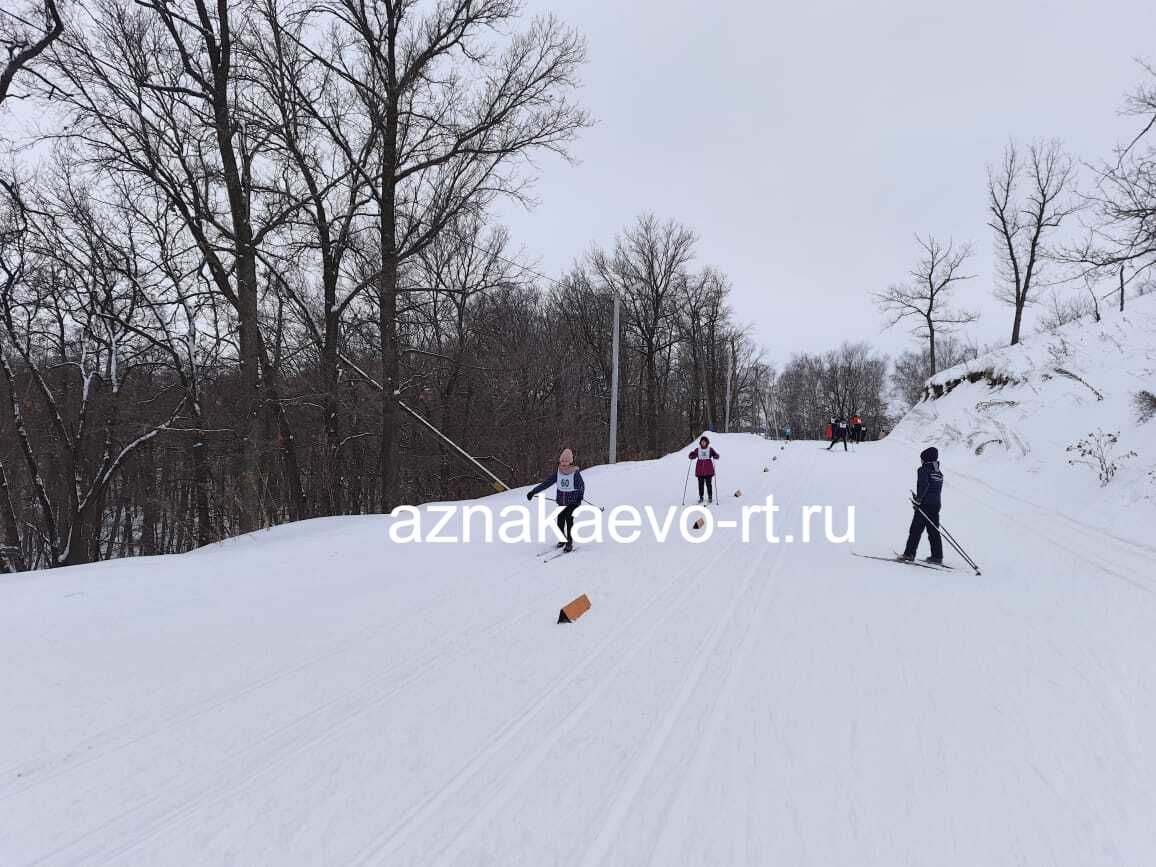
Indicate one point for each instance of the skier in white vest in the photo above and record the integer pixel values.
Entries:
(570, 488)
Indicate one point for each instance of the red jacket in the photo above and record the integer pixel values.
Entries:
(704, 466)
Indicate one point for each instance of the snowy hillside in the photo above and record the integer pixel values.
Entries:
(1009, 417)
(320, 695)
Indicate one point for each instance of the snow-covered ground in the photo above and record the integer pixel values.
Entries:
(317, 695)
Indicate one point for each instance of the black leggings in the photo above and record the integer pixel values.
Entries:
(706, 482)
(566, 521)
(919, 523)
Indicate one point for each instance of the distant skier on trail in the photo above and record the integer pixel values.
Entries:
(787, 433)
(704, 469)
(838, 432)
(928, 490)
(856, 428)
(570, 491)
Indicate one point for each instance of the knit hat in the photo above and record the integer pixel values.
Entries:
(929, 454)
(567, 457)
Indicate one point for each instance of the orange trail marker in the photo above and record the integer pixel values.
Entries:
(574, 610)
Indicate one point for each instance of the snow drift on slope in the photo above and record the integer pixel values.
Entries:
(1011, 415)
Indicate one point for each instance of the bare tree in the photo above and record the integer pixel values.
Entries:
(926, 297)
(911, 370)
(25, 33)
(812, 388)
(701, 314)
(453, 118)
(300, 115)
(646, 269)
(156, 91)
(69, 318)
(1121, 241)
(1022, 222)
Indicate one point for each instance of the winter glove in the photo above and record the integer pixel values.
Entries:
(529, 496)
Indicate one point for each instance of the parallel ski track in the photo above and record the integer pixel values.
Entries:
(599, 850)
(1143, 559)
(283, 741)
(392, 839)
(195, 710)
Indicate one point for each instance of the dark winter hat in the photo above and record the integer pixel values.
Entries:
(929, 454)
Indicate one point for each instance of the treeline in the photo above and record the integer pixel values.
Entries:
(851, 380)
(127, 424)
(261, 249)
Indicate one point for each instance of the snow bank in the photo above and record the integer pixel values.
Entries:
(1011, 417)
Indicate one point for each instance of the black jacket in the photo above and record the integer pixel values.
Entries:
(929, 485)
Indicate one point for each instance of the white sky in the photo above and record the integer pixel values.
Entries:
(807, 142)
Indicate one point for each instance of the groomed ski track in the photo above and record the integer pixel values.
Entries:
(314, 695)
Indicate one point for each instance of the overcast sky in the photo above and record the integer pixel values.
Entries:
(806, 143)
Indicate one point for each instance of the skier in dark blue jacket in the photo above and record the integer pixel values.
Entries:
(928, 491)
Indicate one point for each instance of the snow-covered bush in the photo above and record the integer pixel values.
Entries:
(1097, 450)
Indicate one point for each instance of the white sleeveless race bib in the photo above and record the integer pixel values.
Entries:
(566, 482)
(704, 454)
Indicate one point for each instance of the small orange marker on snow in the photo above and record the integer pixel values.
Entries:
(574, 610)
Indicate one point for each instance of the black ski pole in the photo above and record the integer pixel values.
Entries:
(950, 538)
(584, 500)
(955, 544)
(685, 483)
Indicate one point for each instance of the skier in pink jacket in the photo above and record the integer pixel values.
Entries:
(704, 456)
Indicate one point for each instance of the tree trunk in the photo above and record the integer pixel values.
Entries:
(148, 537)
(651, 404)
(11, 554)
(84, 534)
(1015, 335)
(933, 361)
(331, 483)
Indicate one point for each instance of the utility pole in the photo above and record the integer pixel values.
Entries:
(614, 388)
(730, 370)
